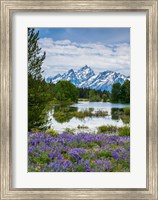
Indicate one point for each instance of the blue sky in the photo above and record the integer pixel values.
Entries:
(88, 35)
(100, 48)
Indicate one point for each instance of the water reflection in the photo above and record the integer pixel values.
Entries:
(63, 113)
(121, 113)
(82, 114)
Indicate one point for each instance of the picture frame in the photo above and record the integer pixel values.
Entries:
(7, 10)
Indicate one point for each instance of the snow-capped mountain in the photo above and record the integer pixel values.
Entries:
(86, 78)
(105, 80)
(84, 73)
(71, 76)
(54, 79)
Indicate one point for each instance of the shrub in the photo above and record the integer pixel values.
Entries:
(70, 130)
(91, 109)
(126, 110)
(35, 130)
(125, 119)
(101, 113)
(52, 132)
(124, 131)
(107, 129)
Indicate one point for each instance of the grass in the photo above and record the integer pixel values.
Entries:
(107, 129)
(52, 132)
(124, 131)
(90, 113)
(69, 130)
(120, 131)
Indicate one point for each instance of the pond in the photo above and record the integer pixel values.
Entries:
(62, 117)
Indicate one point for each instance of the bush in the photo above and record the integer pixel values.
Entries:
(69, 130)
(101, 113)
(124, 131)
(126, 110)
(107, 129)
(35, 130)
(52, 132)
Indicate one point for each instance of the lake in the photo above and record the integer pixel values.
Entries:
(67, 120)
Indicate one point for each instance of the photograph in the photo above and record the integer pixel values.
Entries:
(79, 109)
(78, 99)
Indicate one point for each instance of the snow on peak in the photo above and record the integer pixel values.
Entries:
(86, 78)
(84, 73)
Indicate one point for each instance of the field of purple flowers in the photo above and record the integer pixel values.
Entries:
(83, 152)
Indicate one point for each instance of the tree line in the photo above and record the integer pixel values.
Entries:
(121, 93)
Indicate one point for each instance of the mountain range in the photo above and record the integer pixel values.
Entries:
(86, 78)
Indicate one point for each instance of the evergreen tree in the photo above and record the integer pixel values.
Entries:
(35, 59)
(92, 95)
(125, 92)
(37, 89)
(121, 93)
(104, 97)
(66, 92)
(115, 94)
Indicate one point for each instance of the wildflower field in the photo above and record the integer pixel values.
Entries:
(82, 152)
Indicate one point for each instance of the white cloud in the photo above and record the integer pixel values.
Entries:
(62, 55)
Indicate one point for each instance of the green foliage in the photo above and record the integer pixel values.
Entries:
(107, 129)
(100, 113)
(93, 95)
(91, 109)
(70, 130)
(35, 59)
(105, 97)
(121, 113)
(115, 95)
(38, 90)
(37, 101)
(121, 93)
(81, 168)
(126, 110)
(104, 154)
(65, 113)
(62, 117)
(125, 92)
(35, 130)
(65, 92)
(82, 114)
(124, 131)
(52, 132)
(125, 119)
(92, 144)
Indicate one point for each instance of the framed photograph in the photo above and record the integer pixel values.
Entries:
(79, 99)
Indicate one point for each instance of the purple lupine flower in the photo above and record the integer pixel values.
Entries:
(62, 148)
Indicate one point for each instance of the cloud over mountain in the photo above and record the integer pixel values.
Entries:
(61, 54)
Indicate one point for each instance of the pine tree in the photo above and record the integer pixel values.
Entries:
(37, 94)
(35, 59)
(66, 92)
(115, 94)
(125, 92)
